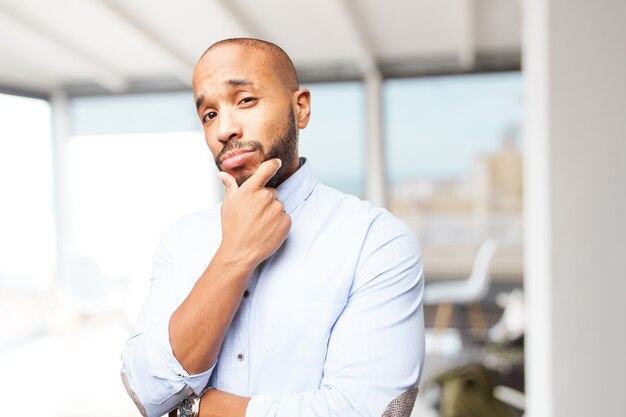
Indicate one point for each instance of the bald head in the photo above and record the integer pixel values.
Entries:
(283, 66)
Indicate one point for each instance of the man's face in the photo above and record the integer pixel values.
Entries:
(246, 112)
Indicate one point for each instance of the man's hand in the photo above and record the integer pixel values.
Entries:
(254, 223)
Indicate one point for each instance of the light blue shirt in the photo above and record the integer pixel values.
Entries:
(330, 325)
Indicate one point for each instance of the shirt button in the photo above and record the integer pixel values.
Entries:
(246, 294)
(240, 356)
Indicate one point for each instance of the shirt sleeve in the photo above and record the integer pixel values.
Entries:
(151, 374)
(376, 347)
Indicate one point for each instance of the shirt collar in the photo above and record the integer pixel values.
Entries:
(295, 189)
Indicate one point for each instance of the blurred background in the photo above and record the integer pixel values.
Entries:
(494, 128)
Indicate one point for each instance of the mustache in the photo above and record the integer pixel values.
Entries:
(232, 145)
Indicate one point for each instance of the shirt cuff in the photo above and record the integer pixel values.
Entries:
(163, 364)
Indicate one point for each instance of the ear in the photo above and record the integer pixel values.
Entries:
(302, 107)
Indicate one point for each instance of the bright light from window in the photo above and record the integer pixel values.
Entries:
(127, 189)
(26, 222)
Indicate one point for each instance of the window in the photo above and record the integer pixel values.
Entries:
(136, 164)
(335, 139)
(27, 247)
(455, 165)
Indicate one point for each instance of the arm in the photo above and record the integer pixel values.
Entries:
(158, 375)
(216, 403)
(254, 225)
(376, 348)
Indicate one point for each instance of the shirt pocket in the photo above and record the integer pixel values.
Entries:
(296, 326)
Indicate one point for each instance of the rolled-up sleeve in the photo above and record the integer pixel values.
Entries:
(376, 347)
(151, 374)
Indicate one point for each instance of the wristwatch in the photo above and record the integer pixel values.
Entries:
(189, 407)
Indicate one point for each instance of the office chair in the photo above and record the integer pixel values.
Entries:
(470, 291)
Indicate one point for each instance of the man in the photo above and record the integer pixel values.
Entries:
(290, 298)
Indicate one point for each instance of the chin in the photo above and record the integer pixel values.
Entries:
(242, 175)
(241, 178)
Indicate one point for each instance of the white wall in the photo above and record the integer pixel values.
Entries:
(575, 69)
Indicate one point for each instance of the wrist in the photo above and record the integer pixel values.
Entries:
(216, 403)
(237, 261)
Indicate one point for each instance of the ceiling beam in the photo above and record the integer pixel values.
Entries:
(247, 26)
(366, 61)
(29, 93)
(97, 71)
(23, 74)
(181, 67)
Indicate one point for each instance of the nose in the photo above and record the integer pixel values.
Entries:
(228, 127)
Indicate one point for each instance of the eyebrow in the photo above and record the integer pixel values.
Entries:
(199, 101)
(235, 82)
(238, 82)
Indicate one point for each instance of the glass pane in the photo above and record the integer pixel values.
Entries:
(455, 166)
(134, 113)
(334, 141)
(27, 246)
(127, 189)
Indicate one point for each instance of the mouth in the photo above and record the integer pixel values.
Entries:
(236, 158)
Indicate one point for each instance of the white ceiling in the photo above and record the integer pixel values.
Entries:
(130, 45)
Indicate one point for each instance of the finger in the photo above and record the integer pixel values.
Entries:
(264, 173)
(274, 193)
(230, 184)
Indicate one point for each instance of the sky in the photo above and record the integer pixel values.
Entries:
(434, 126)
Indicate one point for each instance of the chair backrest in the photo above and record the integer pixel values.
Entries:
(402, 405)
(480, 279)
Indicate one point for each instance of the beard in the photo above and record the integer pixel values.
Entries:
(283, 148)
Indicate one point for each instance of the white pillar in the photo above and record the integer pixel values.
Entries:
(575, 214)
(376, 182)
(60, 135)
(467, 34)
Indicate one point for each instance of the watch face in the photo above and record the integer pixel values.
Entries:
(185, 408)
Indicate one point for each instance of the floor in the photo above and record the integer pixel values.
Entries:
(73, 374)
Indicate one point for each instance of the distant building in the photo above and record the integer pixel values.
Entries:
(494, 185)
(497, 179)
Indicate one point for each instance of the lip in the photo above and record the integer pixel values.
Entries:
(236, 158)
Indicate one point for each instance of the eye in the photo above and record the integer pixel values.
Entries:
(247, 100)
(209, 116)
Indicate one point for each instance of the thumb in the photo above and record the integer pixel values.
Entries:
(230, 184)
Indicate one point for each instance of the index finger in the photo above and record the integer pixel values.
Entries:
(264, 173)
(230, 184)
